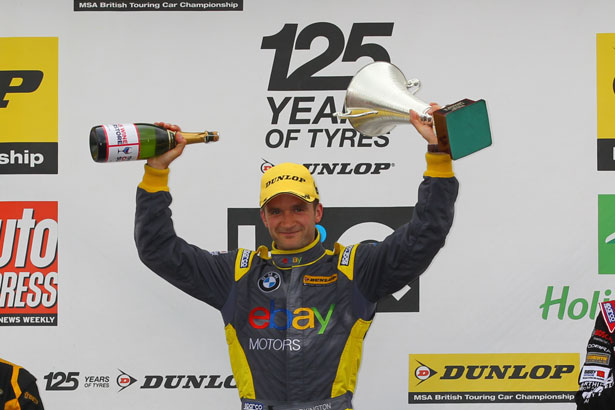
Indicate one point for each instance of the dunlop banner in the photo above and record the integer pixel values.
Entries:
(29, 105)
(493, 378)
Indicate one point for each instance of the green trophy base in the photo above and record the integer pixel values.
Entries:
(462, 128)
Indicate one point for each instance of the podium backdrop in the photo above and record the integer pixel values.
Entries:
(501, 317)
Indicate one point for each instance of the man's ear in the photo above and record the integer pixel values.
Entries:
(263, 217)
(318, 212)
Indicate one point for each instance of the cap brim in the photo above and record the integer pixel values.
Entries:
(293, 193)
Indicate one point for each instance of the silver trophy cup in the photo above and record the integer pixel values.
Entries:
(379, 98)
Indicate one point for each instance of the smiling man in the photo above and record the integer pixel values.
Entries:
(295, 316)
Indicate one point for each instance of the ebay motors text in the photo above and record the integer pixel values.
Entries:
(301, 318)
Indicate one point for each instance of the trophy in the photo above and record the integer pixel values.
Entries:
(379, 97)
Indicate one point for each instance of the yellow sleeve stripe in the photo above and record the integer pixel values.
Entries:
(345, 263)
(439, 165)
(239, 364)
(155, 180)
(346, 377)
(243, 262)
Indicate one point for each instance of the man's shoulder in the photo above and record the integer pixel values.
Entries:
(6, 369)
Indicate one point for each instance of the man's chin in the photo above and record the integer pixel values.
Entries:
(288, 244)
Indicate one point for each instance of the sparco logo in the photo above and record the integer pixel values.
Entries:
(245, 259)
(346, 256)
(253, 406)
(609, 312)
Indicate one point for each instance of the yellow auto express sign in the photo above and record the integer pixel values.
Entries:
(493, 378)
(29, 105)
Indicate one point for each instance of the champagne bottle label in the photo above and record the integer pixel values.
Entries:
(122, 142)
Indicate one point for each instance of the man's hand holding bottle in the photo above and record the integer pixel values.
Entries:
(163, 161)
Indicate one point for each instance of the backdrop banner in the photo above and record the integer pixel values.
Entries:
(518, 283)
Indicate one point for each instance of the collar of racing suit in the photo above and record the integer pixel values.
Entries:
(298, 257)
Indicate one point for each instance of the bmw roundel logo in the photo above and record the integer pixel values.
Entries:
(269, 282)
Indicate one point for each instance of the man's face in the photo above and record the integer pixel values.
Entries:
(291, 221)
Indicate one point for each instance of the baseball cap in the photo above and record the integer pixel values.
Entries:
(288, 178)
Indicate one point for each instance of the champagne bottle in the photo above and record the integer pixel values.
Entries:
(127, 142)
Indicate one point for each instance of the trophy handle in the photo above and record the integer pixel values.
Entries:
(348, 114)
(413, 85)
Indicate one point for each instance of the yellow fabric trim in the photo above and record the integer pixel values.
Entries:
(276, 251)
(346, 377)
(305, 264)
(239, 271)
(239, 364)
(155, 180)
(263, 252)
(347, 270)
(439, 165)
(14, 404)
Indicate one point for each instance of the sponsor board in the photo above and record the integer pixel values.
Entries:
(341, 168)
(29, 105)
(344, 225)
(158, 5)
(308, 121)
(28, 263)
(559, 302)
(493, 378)
(73, 380)
(606, 234)
(605, 91)
(120, 380)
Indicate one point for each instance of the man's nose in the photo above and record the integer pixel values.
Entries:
(287, 218)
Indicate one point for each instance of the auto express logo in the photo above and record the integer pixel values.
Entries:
(308, 121)
(344, 225)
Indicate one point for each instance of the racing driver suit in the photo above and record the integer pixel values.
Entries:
(295, 320)
(596, 391)
(18, 390)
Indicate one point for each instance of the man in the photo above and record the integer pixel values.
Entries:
(295, 317)
(596, 391)
(18, 389)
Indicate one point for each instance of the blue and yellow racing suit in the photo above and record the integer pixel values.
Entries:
(18, 390)
(295, 320)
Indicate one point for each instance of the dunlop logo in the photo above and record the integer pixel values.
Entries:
(482, 378)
